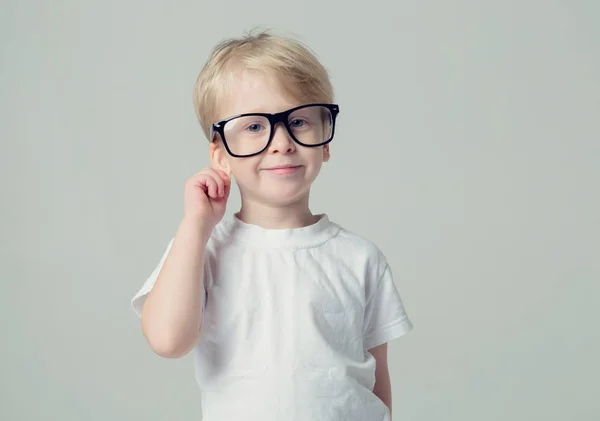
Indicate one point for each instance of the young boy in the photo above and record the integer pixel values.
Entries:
(288, 313)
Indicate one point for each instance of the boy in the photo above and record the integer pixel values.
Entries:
(288, 313)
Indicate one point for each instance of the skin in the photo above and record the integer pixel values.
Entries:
(171, 315)
(383, 386)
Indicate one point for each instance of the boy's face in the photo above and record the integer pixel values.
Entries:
(261, 177)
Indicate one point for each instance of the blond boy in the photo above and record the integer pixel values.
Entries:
(288, 314)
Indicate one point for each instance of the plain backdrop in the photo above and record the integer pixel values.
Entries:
(468, 149)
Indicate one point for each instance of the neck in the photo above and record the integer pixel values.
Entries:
(293, 215)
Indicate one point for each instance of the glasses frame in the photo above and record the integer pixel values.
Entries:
(282, 117)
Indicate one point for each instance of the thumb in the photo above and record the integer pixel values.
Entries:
(227, 189)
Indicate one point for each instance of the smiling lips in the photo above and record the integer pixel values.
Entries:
(283, 169)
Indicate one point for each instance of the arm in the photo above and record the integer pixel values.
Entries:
(383, 387)
(172, 312)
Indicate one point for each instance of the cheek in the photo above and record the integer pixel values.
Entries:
(244, 168)
(315, 158)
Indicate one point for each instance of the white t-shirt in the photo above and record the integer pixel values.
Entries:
(288, 317)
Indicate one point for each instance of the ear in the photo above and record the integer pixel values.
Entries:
(218, 157)
(326, 153)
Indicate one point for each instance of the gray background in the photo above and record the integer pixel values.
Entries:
(468, 149)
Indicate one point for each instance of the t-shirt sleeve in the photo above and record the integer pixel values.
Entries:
(385, 316)
(138, 299)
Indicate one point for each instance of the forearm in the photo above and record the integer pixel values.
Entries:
(383, 385)
(383, 390)
(172, 312)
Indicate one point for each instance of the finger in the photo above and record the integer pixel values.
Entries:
(198, 180)
(224, 175)
(219, 180)
(215, 180)
(223, 178)
(227, 190)
(213, 187)
(207, 182)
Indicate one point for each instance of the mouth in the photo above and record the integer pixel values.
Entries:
(283, 169)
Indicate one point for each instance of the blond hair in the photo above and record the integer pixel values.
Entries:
(293, 65)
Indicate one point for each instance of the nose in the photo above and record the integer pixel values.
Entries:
(281, 142)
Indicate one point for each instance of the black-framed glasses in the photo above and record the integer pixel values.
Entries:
(250, 134)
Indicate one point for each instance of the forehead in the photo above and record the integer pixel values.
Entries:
(251, 91)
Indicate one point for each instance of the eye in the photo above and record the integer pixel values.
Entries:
(296, 123)
(254, 127)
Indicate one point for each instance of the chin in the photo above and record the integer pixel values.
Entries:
(284, 197)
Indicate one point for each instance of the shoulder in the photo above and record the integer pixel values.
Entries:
(356, 246)
(358, 242)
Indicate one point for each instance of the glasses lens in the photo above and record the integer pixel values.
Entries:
(247, 135)
(311, 125)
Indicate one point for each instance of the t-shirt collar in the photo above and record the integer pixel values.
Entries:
(304, 237)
